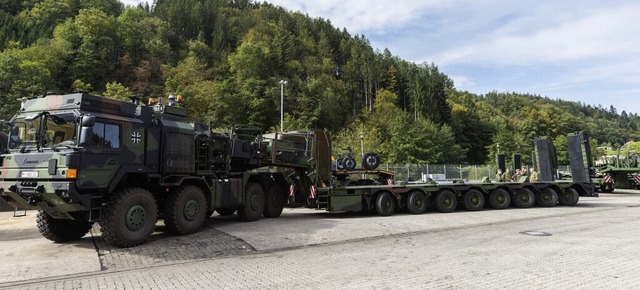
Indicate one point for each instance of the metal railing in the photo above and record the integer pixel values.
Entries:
(418, 172)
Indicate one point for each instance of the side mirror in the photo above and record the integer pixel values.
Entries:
(86, 130)
(88, 121)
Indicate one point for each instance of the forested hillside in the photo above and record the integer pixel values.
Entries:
(227, 57)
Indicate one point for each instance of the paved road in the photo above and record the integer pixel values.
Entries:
(592, 245)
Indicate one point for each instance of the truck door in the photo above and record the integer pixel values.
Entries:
(102, 157)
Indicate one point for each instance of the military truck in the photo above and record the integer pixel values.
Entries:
(617, 171)
(80, 159)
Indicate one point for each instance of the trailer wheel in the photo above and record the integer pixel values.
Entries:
(59, 230)
(129, 217)
(385, 204)
(499, 198)
(417, 202)
(547, 197)
(445, 201)
(226, 211)
(185, 210)
(473, 200)
(569, 197)
(275, 198)
(523, 198)
(253, 205)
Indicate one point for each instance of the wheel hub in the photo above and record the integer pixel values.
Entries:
(447, 201)
(255, 202)
(190, 210)
(136, 217)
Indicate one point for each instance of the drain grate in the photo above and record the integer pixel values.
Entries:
(536, 233)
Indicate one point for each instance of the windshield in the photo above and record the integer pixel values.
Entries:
(60, 130)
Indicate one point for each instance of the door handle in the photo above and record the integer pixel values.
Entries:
(112, 162)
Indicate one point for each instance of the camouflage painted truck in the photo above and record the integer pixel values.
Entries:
(80, 159)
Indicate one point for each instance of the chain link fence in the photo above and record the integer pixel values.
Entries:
(418, 172)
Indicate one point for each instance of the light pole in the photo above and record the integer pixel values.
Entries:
(498, 147)
(362, 143)
(282, 83)
(362, 150)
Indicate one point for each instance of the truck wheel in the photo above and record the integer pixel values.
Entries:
(129, 217)
(523, 198)
(608, 188)
(275, 198)
(253, 205)
(569, 197)
(499, 199)
(417, 202)
(385, 204)
(226, 211)
(445, 201)
(473, 200)
(185, 210)
(59, 230)
(547, 197)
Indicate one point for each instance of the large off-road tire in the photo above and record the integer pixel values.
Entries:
(547, 197)
(523, 198)
(385, 204)
(349, 163)
(445, 201)
(370, 161)
(473, 200)
(275, 198)
(569, 197)
(59, 230)
(417, 202)
(253, 205)
(185, 210)
(129, 217)
(226, 211)
(499, 199)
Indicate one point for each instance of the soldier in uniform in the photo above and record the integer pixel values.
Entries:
(516, 175)
(499, 176)
(534, 175)
(507, 175)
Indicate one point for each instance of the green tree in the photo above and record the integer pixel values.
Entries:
(117, 91)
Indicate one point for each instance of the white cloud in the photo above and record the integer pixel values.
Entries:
(133, 2)
(372, 16)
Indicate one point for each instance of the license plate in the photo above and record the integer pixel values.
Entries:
(29, 174)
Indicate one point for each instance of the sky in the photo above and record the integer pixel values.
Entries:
(587, 51)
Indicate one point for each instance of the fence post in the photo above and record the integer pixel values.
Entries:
(408, 173)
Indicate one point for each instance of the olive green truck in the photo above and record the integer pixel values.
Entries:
(80, 158)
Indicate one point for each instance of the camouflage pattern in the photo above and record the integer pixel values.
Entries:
(151, 147)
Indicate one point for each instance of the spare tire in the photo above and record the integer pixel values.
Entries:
(349, 163)
(370, 161)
